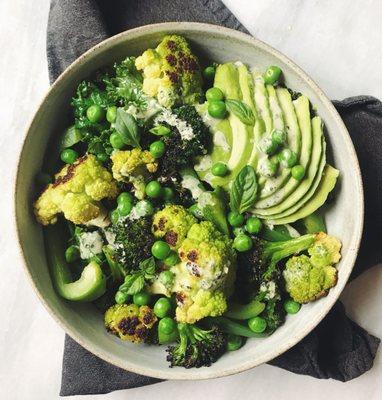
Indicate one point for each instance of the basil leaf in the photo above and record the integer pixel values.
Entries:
(244, 189)
(148, 268)
(241, 110)
(126, 125)
(133, 284)
(71, 136)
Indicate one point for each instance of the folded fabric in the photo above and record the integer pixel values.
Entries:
(338, 348)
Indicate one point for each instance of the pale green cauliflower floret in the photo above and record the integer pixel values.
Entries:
(76, 192)
(204, 304)
(130, 322)
(133, 166)
(172, 223)
(171, 73)
(309, 278)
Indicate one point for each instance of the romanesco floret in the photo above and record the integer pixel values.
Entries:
(172, 223)
(133, 166)
(130, 322)
(171, 73)
(325, 250)
(76, 192)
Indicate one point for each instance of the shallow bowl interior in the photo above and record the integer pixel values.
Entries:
(83, 322)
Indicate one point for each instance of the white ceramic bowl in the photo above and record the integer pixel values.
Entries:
(82, 321)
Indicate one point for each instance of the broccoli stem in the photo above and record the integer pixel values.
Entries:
(233, 327)
(314, 223)
(245, 311)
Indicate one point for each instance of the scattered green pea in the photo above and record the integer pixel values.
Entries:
(298, 172)
(209, 73)
(72, 254)
(153, 189)
(235, 219)
(69, 156)
(162, 307)
(219, 169)
(234, 342)
(167, 325)
(167, 193)
(172, 259)
(116, 140)
(287, 157)
(242, 243)
(142, 299)
(291, 306)
(157, 149)
(124, 208)
(272, 75)
(160, 250)
(167, 278)
(214, 94)
(268, 146)
(217, 109)
(125, 197)
(111, 114)
(257, 324)
(253, 225)
(279, 137)
(121, 297)
(95, 113)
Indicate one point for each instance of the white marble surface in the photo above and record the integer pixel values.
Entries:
(336, 42)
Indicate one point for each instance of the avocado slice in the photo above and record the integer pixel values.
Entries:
(262, 102)
(277, 113)
(327, 184)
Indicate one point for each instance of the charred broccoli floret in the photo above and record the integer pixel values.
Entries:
(197, 347)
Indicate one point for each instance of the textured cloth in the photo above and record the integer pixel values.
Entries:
(338, 348)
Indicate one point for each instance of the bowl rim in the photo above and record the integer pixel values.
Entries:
(359, 214)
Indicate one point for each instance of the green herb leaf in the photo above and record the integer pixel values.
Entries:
(126, 125)
(133, 284)
(71, 136)
(241, 110)
(148, 268)
(243, 190)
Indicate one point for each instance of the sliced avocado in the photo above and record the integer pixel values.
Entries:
(327, 184)
(310, 158)
(277, 114)
(262, 102)
(227, 80)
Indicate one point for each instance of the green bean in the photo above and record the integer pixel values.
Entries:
(245, 311)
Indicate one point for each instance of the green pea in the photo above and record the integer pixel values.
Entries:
(287, 157)
(279, 137)
(168, 193)
(144, 207)
(125, 197)
(109, 150)
(124, 208)
(166, 325)
(267, 167)
(95, 113)
(235, 219)
(103, 157)
(291, 306)
(214, 94)
(142, 299)
(234, 342)
(242, 243)
(157, 149)
(69, 156)
(219, 169)
(72, 254)
(121, 297)
(257, 324)
(298, 172)
(153, 189)
(196, 211)
(162, 307)
(160, 250)
(160, 130)
(116, 140)
(166, 278)
(209, 73)
(171, 259)
(272, 75)
(42, 178)
(217, 109)
(114, 217)
(268, 146)
(253, 225)
(111, 114)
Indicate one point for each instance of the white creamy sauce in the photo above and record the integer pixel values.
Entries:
(91, 243)
(110, 236)
(186, 132)
(238, 64)
(192, 184)
(221, 141)
(263, 167)
(153, 107)
(269, 288)
(205, 199)
(204, 164)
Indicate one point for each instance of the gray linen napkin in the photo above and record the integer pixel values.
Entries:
(338, 348)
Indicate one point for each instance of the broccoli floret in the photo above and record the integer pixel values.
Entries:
(181, 151)
(133, 166)
(197, 347)
(132, 242)
(130, 322)
(77, 193)
(171, 72)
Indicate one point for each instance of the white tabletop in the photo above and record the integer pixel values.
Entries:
(336, 42)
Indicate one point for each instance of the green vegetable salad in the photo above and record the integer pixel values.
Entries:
(187, 203)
